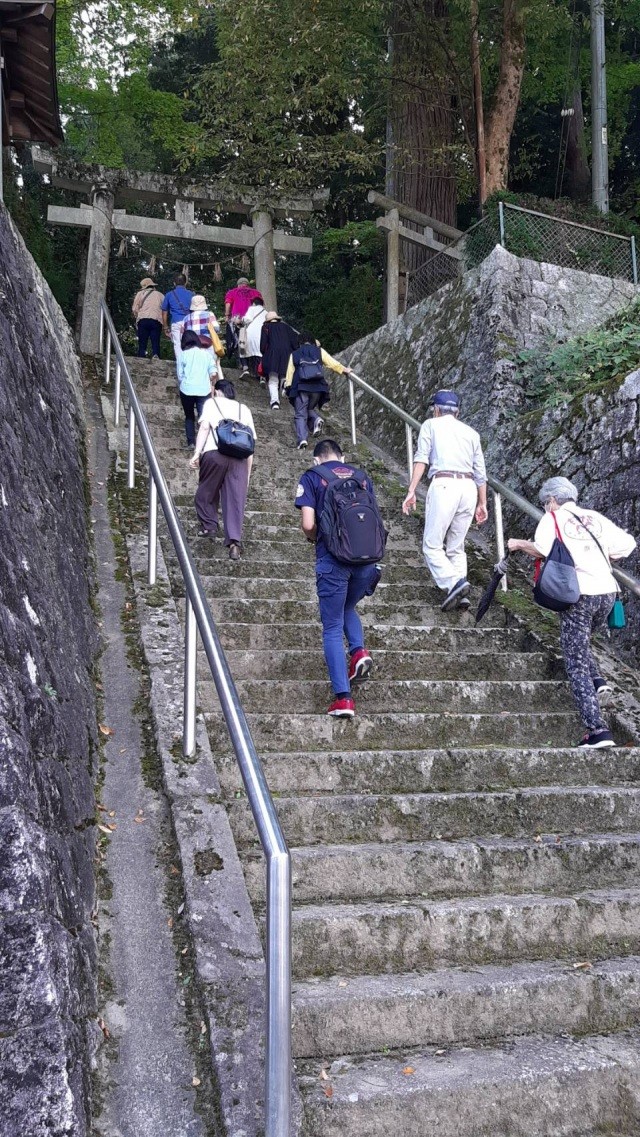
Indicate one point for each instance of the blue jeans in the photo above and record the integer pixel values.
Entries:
(190, 404)
(340, 587)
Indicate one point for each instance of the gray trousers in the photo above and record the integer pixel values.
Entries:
(223, 481)
(306, 414)
(576, 626)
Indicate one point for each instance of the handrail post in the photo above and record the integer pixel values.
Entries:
(131, 453)
(634, 260)
(190, 664)
(101, 333)
(116, 397)
(152, 554)
(409, 437)
(352, 411)
(497, 504)
(501, 218)
(107, 361)
(278, 1027)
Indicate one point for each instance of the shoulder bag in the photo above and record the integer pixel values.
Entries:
(556, 583)
(617, 617)
(234, 438)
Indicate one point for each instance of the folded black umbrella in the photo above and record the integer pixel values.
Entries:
(499, 571)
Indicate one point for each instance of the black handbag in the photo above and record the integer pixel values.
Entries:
(234, 438)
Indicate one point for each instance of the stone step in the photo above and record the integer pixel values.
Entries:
(460, 636)
(281, 587)
(387, 818)
(365, 1014)
(301, 569)
(454, 696)
(267, 610)
(338, 874)
(530, 1087)
(376, 938)
(428, 771)
(296, 664)
(382, 731)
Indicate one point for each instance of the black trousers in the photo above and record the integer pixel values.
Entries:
(149, 330)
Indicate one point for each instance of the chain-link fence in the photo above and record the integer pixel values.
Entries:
(441, 268)
(526, 233)
(566, 243)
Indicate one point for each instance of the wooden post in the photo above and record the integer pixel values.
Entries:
(393, 264)
(263, 256)
(97, 268)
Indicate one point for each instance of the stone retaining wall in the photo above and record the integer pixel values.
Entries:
(47, 715)
(467, 336)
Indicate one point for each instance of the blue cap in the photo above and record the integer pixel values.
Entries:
(446, 399)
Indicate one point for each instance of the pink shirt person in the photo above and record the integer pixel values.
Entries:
(239, 299)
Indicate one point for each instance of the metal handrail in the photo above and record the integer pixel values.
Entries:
(199, 618)
(500, 490)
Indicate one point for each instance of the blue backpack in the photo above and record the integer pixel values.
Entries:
(350, 523)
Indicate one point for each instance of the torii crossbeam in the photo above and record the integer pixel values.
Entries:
(108, 188)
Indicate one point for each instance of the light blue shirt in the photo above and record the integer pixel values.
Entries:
(196, 370)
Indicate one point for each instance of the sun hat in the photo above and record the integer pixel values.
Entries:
(271, 316)
(147, 282)
(446, 399)
(198, 304)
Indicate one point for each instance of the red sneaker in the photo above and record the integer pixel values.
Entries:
(342, 709)
(360, 665)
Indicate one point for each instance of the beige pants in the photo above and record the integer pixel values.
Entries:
(449, 511)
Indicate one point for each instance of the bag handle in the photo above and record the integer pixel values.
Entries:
(594, 538)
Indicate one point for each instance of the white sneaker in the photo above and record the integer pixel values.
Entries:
(319, 425)
(302, 445)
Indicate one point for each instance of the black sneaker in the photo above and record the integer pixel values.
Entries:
(459, 590)
(597, 740)
(464, 604)
(602, 687)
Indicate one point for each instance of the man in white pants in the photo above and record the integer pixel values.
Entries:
(452, 452)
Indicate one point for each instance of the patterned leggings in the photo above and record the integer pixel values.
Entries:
(576, 626)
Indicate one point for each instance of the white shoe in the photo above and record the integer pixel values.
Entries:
(319, 425)
(302, 445)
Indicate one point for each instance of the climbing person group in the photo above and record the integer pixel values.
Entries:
(339, 512)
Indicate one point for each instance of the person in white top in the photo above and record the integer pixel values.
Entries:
(452, 452)
(593, 541)
(222, 479)
(250, 332)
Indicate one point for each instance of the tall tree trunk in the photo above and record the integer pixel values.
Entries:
(423, 125)
(578, 174)
(499, 124)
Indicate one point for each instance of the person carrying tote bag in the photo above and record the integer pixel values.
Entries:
(592, 541)
(223, 475)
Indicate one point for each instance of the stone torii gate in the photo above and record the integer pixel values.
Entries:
(108, 188)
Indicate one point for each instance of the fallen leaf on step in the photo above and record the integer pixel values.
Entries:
(324, 1075)
(203, 1028)
(103, 829)
(112, 825)
(102, 807)
(112, 813)
(170, 922)
(195, 1081)
(104, 729)
(538, 839)
(328, 1091)
(439, 1053)
(139, 820)
(342, 983)
(408, 1070)
(584, 966)
(104, 1028)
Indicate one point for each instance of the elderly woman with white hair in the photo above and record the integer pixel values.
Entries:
(593, 541)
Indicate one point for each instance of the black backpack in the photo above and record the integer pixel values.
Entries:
(350, 523)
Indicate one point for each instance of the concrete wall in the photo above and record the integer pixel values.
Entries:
(47, 715)
(467, 336)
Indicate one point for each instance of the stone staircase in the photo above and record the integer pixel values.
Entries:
(466, 920)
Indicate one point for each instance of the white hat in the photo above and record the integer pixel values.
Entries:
(198, 304)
